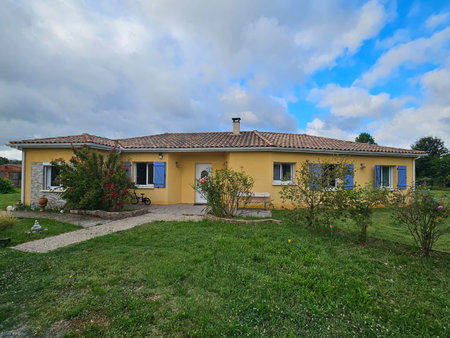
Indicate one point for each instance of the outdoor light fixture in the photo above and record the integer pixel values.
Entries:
(363, 165)
(160, 156)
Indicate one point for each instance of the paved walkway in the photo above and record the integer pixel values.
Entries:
(55, 242)
(95, 227)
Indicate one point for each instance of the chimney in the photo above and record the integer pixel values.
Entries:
(236, 125)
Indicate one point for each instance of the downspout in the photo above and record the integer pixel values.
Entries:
(22, 183)
(414, 173)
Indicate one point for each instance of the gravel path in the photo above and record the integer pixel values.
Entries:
(55, 242)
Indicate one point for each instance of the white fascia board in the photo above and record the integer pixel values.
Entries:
(199, 150)
(59, 145)
(265, 149)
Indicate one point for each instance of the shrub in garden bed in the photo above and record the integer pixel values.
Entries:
(92, 180)
(223, 190)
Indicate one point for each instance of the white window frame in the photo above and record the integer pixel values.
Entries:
(147, 185)
(47, 177)
(391, 177)
(282, 182)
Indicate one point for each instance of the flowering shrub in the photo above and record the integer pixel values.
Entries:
(223, 190)
(92, 180)
(423, 214)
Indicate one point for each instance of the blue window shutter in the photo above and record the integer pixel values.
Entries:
(315, 172)
(401, 177)
(348, 179)
(159, 174)
(128, 165)
(377, 176)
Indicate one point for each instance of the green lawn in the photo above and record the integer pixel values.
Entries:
(9, 199)
(216, 279)
(19, 233)
(384, 228)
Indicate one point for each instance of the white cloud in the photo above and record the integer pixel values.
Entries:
(334, 33)
(417, 51)
(354, 101)
(136, 68)
(386, 118)
(318, 127)
(436, 20)
(400, 36)
(256, 111)
(12, 154)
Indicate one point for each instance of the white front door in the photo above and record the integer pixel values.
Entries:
(201, 170)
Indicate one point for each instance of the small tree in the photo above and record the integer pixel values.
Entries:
(422, 214)
(359, 204)
(224, 190)
(92, 180)
(312, 191)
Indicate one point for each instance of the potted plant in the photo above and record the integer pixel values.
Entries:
(43, 203)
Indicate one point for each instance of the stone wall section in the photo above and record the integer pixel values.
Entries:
(37, 189)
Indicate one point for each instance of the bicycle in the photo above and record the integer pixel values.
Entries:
(144, 200)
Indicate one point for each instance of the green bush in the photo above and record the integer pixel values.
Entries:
(359, 203)
(5, 186)
(224, 190)
(7, 220)
(92, 180)
(423, 214)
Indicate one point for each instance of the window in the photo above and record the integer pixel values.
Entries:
(51, 177)
(329, 176)
(383, 176)
(143, 173)
(282, 173)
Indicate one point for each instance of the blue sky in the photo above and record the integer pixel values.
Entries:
(133, 68)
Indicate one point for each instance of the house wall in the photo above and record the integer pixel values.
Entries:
(259, 165)
(180, 170)
(36, 157)
(180, 174)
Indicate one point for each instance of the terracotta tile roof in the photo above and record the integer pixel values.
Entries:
(83, 138)
(247, 139)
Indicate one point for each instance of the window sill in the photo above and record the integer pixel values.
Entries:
(141, 186)
(282, 182)
(55, 189)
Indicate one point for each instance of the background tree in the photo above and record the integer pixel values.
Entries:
(3, 160)
(433, 146)
(434, 168)
(365, 138)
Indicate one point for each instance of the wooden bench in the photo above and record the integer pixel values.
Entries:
(264, 195)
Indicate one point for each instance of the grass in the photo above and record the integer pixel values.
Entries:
(19, 233)
(9, 199)
(224, 279)
(384, 228)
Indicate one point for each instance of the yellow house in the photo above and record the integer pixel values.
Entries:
(164, 166)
